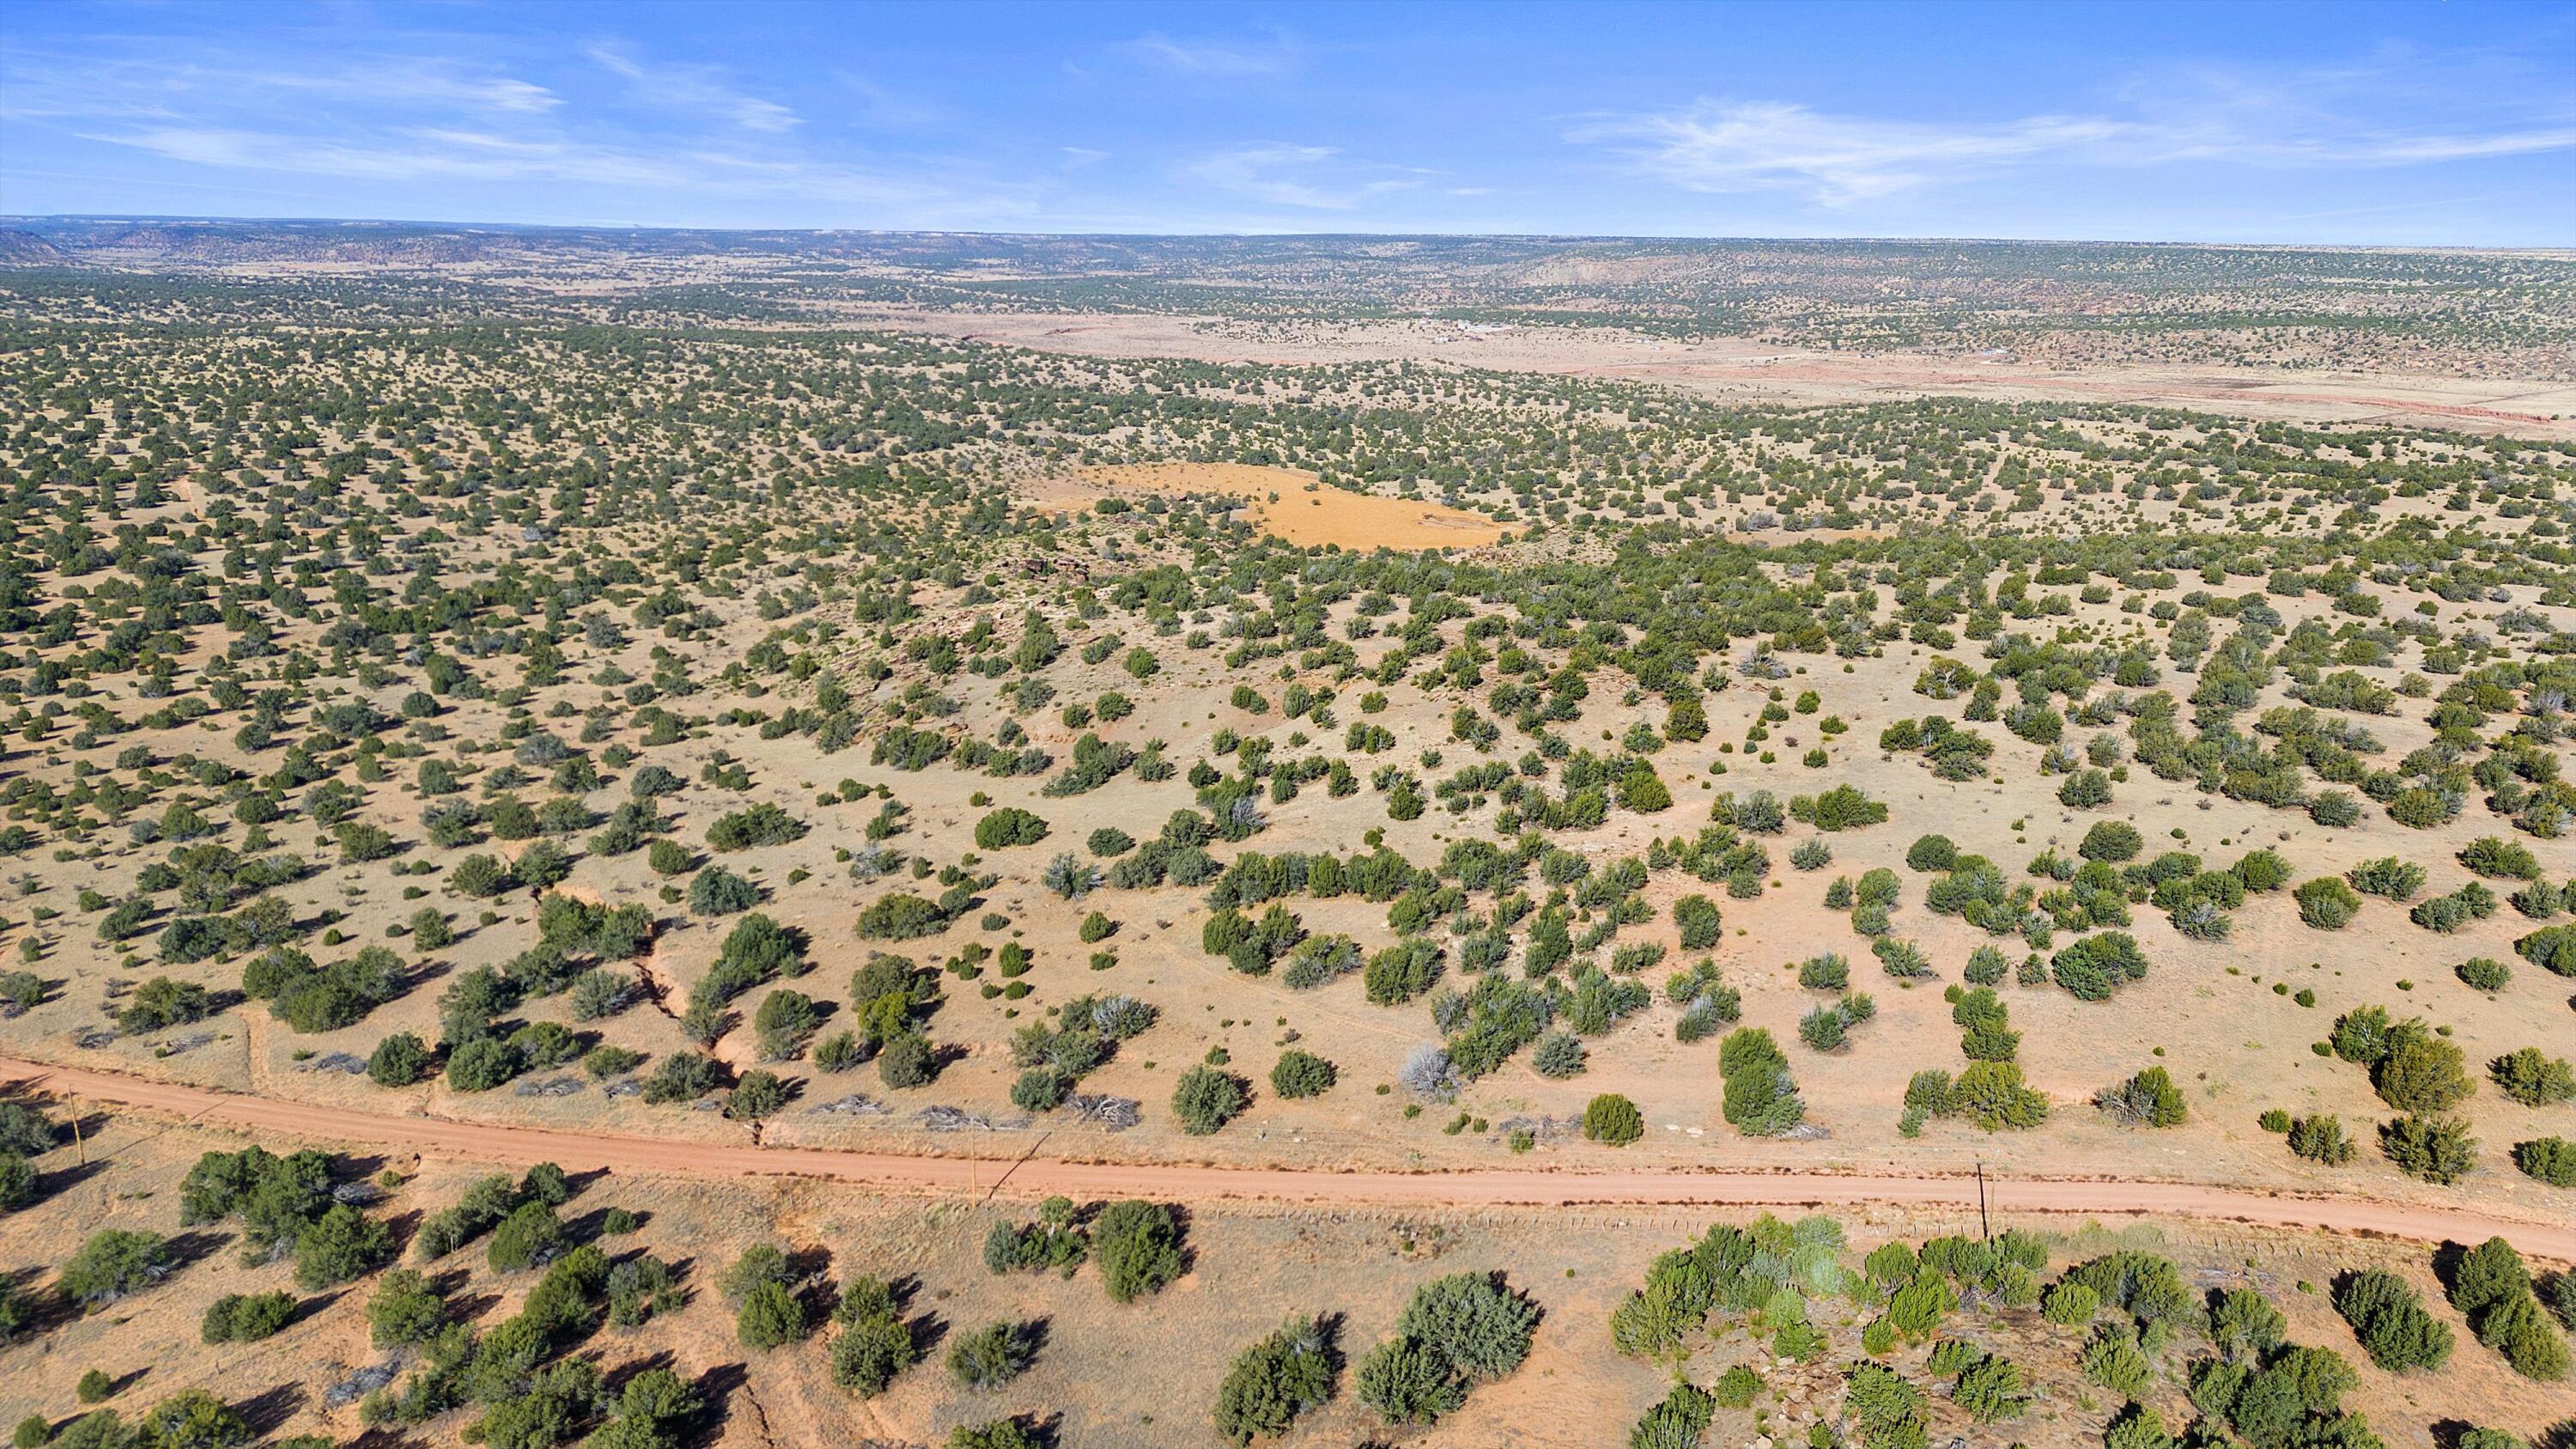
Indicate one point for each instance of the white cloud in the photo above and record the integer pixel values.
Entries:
(59, 88)
(426, 154)
(1834, 160)
(695, 88)
(1277, 55)
(1844, 161)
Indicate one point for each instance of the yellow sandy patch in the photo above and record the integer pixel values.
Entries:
(1327, 515)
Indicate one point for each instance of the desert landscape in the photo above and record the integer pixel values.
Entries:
(769, 839)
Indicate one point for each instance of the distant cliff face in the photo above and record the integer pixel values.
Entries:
(26, 249)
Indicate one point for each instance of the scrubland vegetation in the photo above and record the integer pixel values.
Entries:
(626, 718)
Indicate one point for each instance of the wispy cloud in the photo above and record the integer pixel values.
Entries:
(873, 103)
(422, 154)
(1311, 178)
(56, 87)
(1844, 161)
(1835, 160)
(698, 88)
(1278, 53)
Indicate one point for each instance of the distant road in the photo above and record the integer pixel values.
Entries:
(500, 1144)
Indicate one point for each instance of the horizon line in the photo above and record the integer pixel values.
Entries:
(644, 228)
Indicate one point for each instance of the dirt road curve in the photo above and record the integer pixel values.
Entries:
(485, 1142)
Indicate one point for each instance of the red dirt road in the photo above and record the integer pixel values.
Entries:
(485, 1142)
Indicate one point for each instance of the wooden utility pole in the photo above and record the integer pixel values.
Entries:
(1984, 1228)
(79, 1142)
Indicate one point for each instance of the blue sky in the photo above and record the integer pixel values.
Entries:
(2447, 124)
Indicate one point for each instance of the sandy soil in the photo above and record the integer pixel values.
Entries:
(1297, 507)
(1749, 371)
(1031, 1175)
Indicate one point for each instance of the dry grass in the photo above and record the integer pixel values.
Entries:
(1299, 508)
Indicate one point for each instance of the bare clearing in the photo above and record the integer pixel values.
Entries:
(1750, 371)
(1301, 509)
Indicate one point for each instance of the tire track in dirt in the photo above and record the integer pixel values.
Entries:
(485, 1142)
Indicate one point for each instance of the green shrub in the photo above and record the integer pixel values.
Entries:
(2484, 973)
(1679, 1420)
(757, 825)
(1613, 1120)
(1300, 1074)
(2389, 1319)
(1008, 827)
(2327, 904)
(2549, 1159)
(2114, 841)
(398, 1061)
(2319, 1138)
(1698, 921)
(1206, 1098)
(2422, 1074)
(1138, 1246)
(2148, 1099)
(2551, 948)
(990, 1357)
(246, 1317)
(2500, 859)
(2389, 877)
(114, 1262)
(2436, 1149)
(2534, 1078)
(1274, 1381)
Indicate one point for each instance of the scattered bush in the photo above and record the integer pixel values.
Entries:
(2436, 1149)
(2390, 1321)
(2148, 1099)
(1008, 827)
(1206, 1098)
(2327, 904)
(246, 1317)
(1274, 1381)
(1613, 1120)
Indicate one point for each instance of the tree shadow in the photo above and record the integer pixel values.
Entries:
(470, 1309)
(929, 1330)
(716, 1389)
(308, 1308)
(1044, 1430)
(268, 1412)
(189, 1249)
(591, 1226)
(404, 1226)
(1328, 1329)
(1032, 1335)
(64, 1179)
(616, 1379)
(360, 1167)
(2447, 1257)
